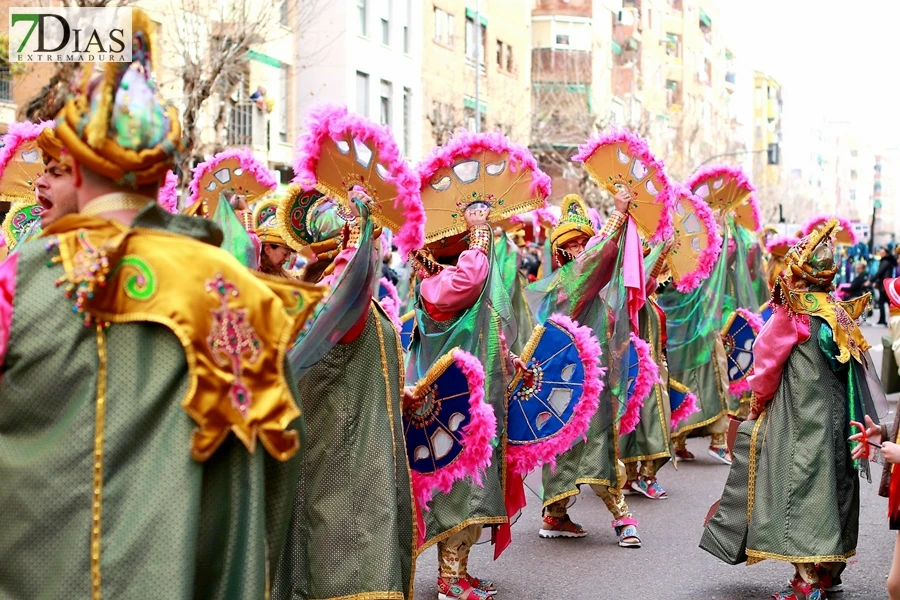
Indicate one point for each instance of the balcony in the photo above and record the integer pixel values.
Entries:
(674, 70)
(569, 66)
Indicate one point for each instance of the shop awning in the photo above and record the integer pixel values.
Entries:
(704, 18)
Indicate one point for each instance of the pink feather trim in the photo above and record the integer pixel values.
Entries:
(247, 161)
(17, 134)
(737, 388)
(596, 219)
(522, 458)
(476, 438)
(818, 220)
(639, 149)
(684, 411)
(391, 302)
(330, 122)
(465, 143)
(709, 256)
(783, 241)
(648, 376)
(735, 172)
(168, 193)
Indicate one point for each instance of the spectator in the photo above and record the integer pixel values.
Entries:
(886, 268)
(860, 284)
(531, 263)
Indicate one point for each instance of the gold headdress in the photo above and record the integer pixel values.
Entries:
(573, 223)
(266, 222)
(115, 125)
(812, 258)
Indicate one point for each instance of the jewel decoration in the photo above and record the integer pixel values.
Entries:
(231, 337)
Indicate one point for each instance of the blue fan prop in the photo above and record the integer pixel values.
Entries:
(678, 393)
(543, 400)
(407, 324)
(766, 312)
(738, 337)
(433, 431)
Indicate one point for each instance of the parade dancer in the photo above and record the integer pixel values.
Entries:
(353, 527)
(55, 191)
(795, 497)
(152, 456)
(468, 184)
(21, 168)
(586, 263)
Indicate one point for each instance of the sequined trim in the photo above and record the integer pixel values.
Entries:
(390, 411)
(454, 530)
(367, 596)
(634, 459)
(97, 498)
(751, 482)
(755, 556)
(559, 497)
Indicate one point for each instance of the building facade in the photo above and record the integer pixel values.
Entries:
(457, 35)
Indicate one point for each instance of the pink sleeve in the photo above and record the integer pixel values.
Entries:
(8, 269)
(771, 350)
(340, 263)
(457, 288)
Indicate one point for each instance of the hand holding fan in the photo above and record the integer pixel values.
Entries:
(620, 160)
(478, 167)
(341, 152)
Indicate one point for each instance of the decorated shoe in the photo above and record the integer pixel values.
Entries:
(457, 588)
(684, 454)
(561, 527)
(485, 585)
(801, 590)
(720, 454)
(626, 491)
(649, 487)
(626, 529)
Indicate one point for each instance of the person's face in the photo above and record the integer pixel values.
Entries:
(576, 246)
(276, 254)
(56, 192)
(860, 269)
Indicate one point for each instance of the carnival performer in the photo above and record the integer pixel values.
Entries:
(696, 353)
(353, 528)
(275, 252)
(586, 263)
(649, 447)
(122, 466)
(468, 184)
(55, 191)
(796, 497)
(21, 167)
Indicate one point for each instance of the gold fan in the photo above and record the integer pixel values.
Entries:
(615, 167)
(483, 176)
(695, 243)
(228, 176)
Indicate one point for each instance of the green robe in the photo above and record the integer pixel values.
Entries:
(801, 486)
(171, 527)
(352, 532)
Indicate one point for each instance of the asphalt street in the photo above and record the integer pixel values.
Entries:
(670, 565)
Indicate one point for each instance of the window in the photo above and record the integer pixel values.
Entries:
(361, 10)
(5, 83)
(443, 27)
(407, 120)
(562, 40)
(509, 59)
(283, 13)
(385, 103)
(240, 124)
(469, 114)
(362, 93)
(499, 54)
(386, 22)
(406, 27)
(283, 77)
(474, 49)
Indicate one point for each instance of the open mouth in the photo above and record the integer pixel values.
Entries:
(45, 202)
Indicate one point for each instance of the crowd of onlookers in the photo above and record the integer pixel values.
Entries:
(868, 275)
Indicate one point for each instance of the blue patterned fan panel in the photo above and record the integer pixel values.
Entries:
(676, 398)
(434, 431)
(738, 340)
(383, 292)
(543, 401)
(634, 368)
(406, 332)
(766, 313)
